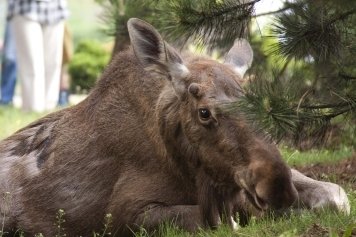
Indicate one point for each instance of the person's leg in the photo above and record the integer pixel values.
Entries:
(65, 77)
(53, 51)
(29, 54)
(8, 72)
(64, 87)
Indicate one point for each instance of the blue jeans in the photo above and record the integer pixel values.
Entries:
(8, 72)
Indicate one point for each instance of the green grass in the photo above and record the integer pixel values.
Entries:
(295, 157)
(12, 119)
(326, 221)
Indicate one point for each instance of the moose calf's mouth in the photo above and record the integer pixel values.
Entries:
(258, 202)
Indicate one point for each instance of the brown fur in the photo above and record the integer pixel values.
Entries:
(136, 148)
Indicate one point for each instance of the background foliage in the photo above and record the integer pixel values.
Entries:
(89, 61)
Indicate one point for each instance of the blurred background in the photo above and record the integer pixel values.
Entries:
(83, 21)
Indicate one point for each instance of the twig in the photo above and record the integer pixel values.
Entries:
(273, 12)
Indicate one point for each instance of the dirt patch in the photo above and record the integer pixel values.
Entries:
(316, 230)
(342, 172)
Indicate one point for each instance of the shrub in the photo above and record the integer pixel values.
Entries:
(88, 62)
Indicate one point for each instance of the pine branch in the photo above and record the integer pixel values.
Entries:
(273, 12)
(271, 106)
(307, 30)
(346, 76)
(215, 24)
(325, 106)
(342, 16)
(234, 8)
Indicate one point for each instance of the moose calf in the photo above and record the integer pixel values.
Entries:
(151, 143)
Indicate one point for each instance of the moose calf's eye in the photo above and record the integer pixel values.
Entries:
(204, 114)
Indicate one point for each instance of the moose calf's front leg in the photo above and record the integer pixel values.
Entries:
(317, 195)
(186, 217)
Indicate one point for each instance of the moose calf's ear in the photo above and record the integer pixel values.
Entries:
(153, 52)
(240, 56)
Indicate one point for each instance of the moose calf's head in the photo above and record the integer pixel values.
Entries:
(196, 127)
